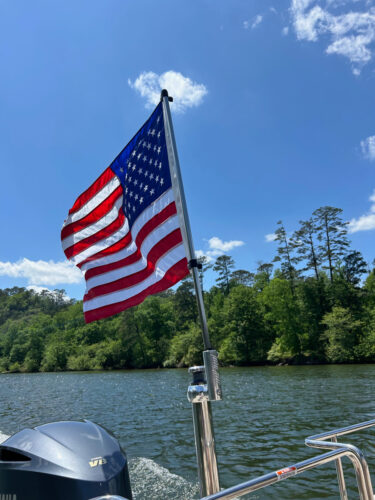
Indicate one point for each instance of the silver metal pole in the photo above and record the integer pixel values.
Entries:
(203, 432)
(340, 476)
(206, 378)
(179, 193)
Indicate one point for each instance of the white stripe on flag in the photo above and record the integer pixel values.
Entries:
(156, 207)
(102, 244)
(94, 201)
(95, 227)
(157, 235)
(163, 265)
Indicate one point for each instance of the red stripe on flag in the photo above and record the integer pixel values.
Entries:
(95, 238)
(130, 259)
(116, 247)
(152, 224)
(173, 275)
(93, 216)
(161, 248)
(95, 187)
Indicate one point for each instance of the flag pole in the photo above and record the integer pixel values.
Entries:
(179, 193)
(205, 386)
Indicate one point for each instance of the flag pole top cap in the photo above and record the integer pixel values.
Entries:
(164, 93)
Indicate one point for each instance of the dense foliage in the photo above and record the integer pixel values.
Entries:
(317, 305)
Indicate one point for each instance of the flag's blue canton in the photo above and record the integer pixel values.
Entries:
(142, 167)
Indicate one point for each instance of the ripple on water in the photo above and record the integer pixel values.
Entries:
(260, 425)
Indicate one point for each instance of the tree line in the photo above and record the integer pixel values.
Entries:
(314, 303)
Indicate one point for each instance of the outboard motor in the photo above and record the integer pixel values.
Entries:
(63, 461)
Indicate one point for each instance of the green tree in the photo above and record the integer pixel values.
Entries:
(246, 340)
(186, 348)
(354, 267)
(282, 316)
(55, 357)
(242, 277)
(285, 255)
(341, 335)
(304, 243)
(154, 318)
(223, 266)
(185, 304)
(332, 234)
(263, 275)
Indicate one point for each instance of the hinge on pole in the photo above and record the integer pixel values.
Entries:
(194, 263)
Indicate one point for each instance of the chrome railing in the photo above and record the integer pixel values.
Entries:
(320, 441)
(338, 451)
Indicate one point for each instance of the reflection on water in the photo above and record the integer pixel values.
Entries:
(260, 426)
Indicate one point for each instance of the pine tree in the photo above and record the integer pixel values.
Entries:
(242, 277)
(285, 256)
(354, 266)
(223, 266)
(304, 242)
(332, 231)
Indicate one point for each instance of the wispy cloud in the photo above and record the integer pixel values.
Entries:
(253, 23)
(368, 147)
(257, 20)
(365, 222)
(350, 34)
(218, 247)
(41, 272)
(186, 93)
(270, 237)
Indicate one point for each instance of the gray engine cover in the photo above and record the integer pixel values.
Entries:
(61, 461)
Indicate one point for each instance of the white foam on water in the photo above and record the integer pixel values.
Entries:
(151, 481)
(3, 437)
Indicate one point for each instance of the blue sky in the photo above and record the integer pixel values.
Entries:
(273, 115)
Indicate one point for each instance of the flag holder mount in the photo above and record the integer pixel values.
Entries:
(205, 386)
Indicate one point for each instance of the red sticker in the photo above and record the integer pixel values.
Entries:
(285, 473)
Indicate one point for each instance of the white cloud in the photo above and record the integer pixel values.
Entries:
(51, 293)
(41, 272)
(218, 247)
(185, 92)
(285, 30)
(270, 237)
(216, 244)
(256, 21)
(368, 147)
(253, 23)
(365, 222)
(351, 34)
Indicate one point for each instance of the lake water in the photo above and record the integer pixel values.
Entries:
(260, 425)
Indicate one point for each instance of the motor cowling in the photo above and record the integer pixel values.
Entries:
(63, 461)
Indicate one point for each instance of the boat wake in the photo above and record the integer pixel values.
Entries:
(151, 481)
(3, 437)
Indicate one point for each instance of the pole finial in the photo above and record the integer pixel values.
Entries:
(164, 93)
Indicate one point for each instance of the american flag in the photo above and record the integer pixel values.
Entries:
(123, 232)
